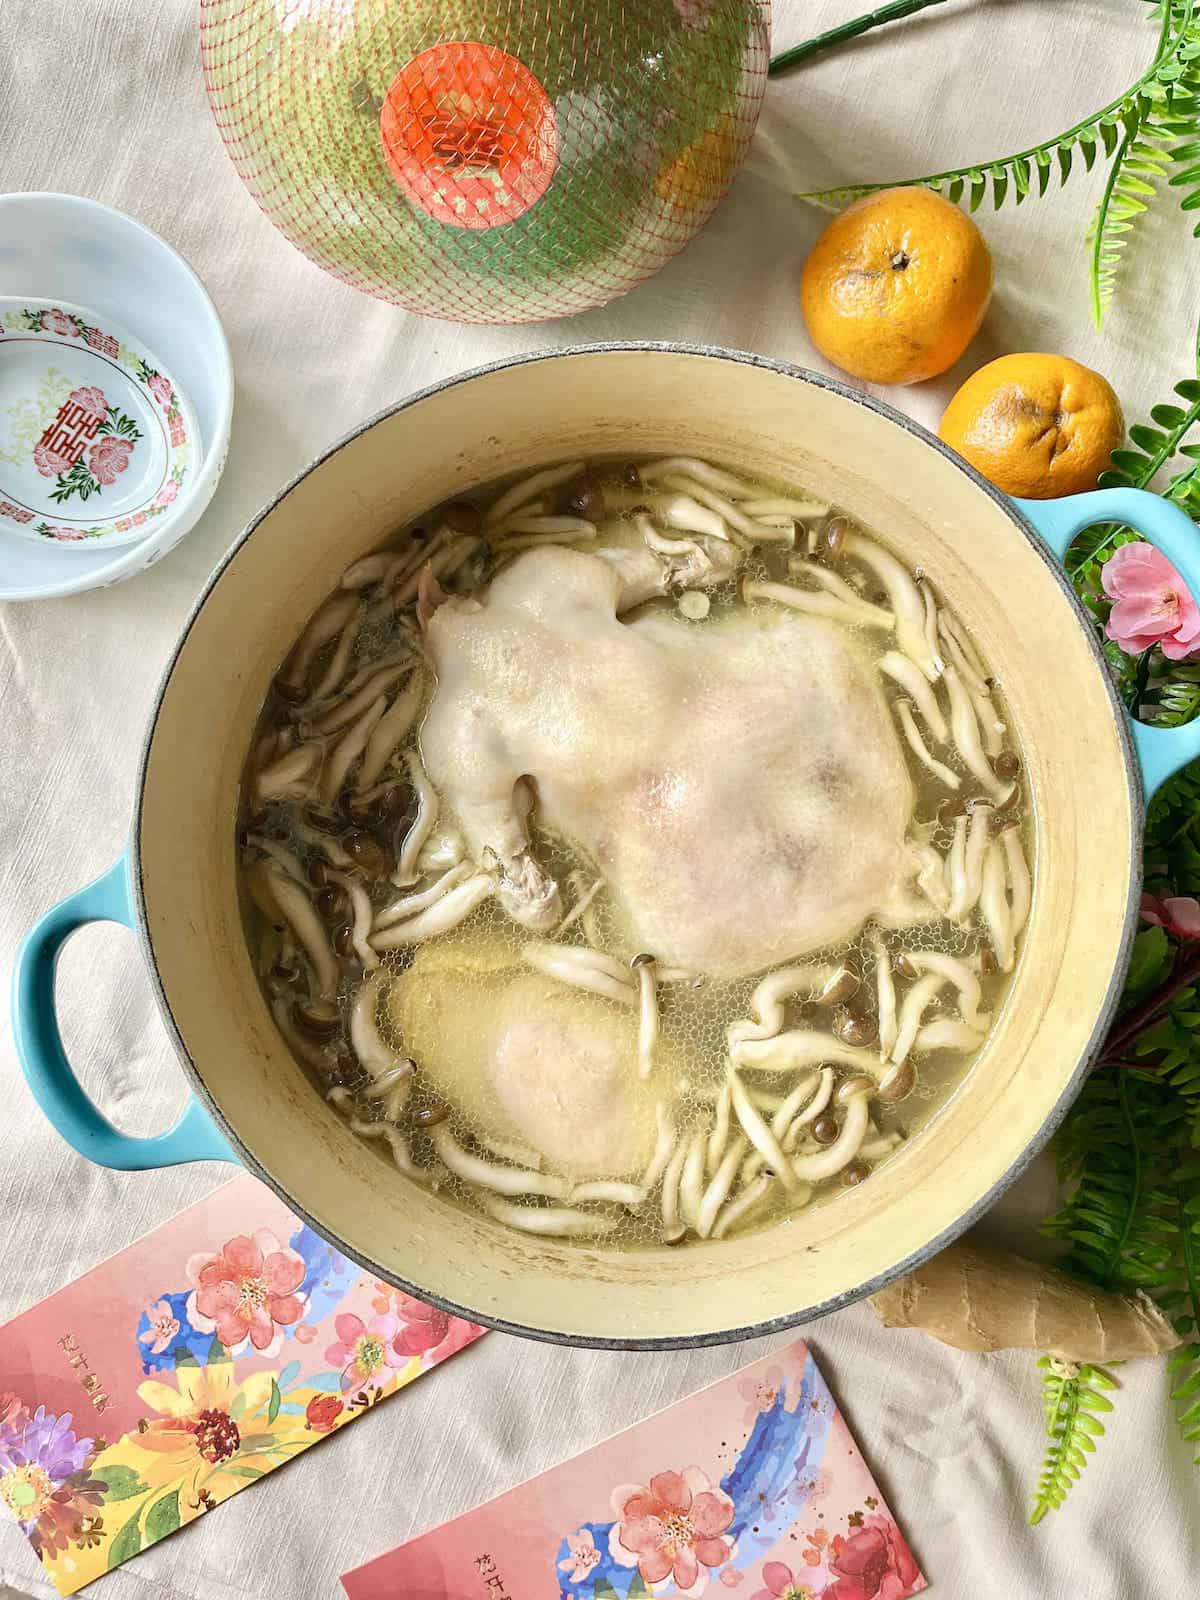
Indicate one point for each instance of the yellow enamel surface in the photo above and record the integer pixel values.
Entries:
(516, 418)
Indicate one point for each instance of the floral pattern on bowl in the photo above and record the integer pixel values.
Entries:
(96, 441)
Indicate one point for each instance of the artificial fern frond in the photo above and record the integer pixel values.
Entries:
(1018, 175)
(1186, 1361)
(1129, 1153)
(1123, 1151)
(1172, 850)
(1116, 1237)
(1135, 466)
(1150, 448)
(1143, 159)
(1182, 1302)
(1071, 1397)
(1179, 699)
(1184, 490)
(1186, 154)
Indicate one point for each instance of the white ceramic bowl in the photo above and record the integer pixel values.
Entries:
(68, 251)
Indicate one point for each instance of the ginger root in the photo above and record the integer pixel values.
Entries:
(978, 1299)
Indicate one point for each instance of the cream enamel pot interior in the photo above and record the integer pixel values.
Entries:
(178, 882)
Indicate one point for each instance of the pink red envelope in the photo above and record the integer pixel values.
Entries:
(191, 1364)
(752, 1489)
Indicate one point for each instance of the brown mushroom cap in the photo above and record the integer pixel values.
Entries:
(317, 1017)
(899, 1083)
(843, 986)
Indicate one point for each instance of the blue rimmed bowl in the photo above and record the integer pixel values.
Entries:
(997, 561)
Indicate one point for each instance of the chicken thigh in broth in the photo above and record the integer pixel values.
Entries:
(635, 851)
(549, 1071)
(739, 787)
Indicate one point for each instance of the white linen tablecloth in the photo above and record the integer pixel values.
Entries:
(104, 98)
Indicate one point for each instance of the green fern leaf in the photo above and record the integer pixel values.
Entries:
(1070, 1397)
(1143, 159)
(1148, 439)
(1136, 467)
(1127, 465)
(1128, 1151)
(1169, 72)
(1109, 1217)
(1129, 1218)
(1167, 416)
(1185, 1303)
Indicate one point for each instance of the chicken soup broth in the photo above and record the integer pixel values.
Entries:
(635, 851)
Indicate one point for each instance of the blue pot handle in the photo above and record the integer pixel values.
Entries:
(1161, 751)
(56, 1089)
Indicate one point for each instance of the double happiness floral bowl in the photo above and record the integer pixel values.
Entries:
(116, 396)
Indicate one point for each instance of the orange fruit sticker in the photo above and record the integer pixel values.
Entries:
(469, 134)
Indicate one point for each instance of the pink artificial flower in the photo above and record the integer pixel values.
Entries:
(247, 1291)
(160, 388)
(164, 1325)
(582, 1558)
(365, 1350)
(1152, 606)
(760, 1393)
(167, 493)
(109, 457)
(50, 463)
(673, 1528)
(781, 1584)
(59, 322)
(873, 1564)
(90, 400)
(1177, 913)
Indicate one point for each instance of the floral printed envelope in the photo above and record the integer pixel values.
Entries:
(754, 1484)
(202, 1357)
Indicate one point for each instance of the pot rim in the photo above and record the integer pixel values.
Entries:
(1036, 1145)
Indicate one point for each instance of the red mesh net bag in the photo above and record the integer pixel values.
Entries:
(487, 160)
